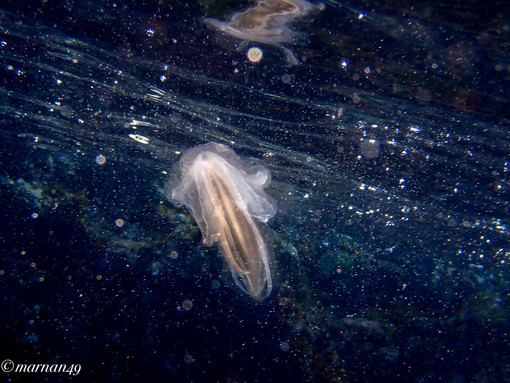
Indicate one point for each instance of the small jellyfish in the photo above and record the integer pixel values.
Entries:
(187, 304)
(100, 159)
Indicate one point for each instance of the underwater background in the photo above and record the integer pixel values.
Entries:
(389, 151)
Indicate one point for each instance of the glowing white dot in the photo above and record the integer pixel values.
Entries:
(254, 54)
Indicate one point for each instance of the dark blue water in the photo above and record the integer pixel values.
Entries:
(390, 158)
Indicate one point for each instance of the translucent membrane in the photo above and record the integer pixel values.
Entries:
(226, 197)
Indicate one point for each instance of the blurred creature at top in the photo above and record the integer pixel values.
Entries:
(268, 23)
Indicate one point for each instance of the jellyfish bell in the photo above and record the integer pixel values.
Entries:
(227, 199)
